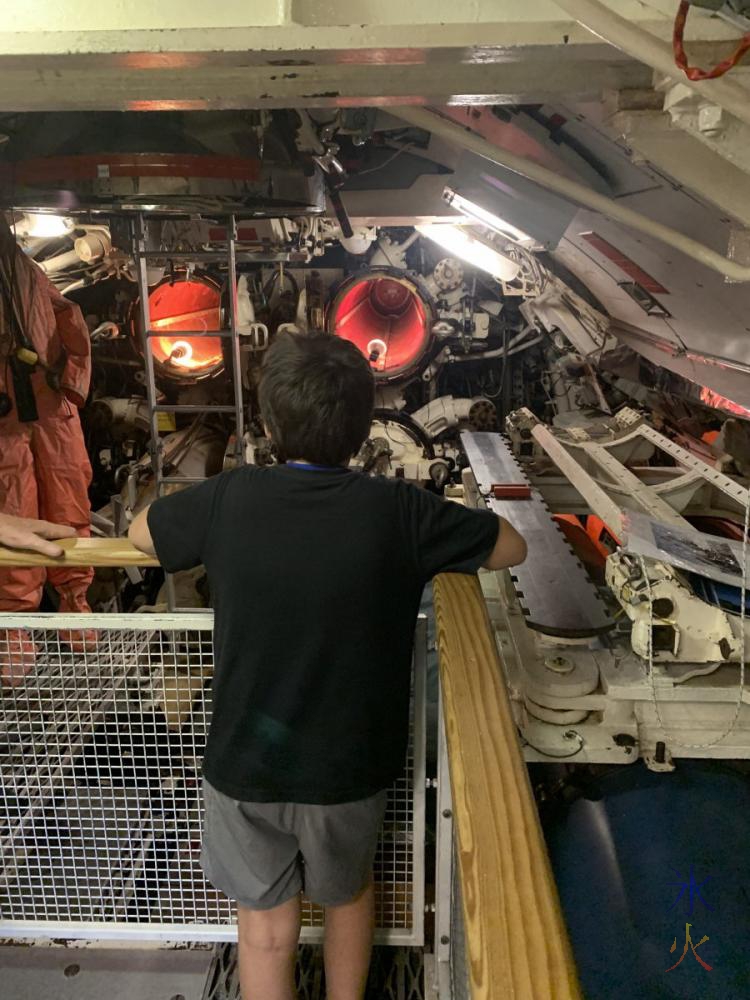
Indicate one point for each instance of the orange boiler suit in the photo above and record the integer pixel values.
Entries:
(44, 467)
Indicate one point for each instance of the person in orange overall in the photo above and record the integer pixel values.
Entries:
(44, 467)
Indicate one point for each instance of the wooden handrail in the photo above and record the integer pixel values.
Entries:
(82, 552)
(516, 940)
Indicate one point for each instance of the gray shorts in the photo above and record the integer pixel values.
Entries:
(264, 853)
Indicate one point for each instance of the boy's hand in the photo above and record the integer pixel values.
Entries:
(28, 533)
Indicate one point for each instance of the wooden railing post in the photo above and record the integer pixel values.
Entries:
(516, 940)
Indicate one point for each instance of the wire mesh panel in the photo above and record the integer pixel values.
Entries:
(101, 739)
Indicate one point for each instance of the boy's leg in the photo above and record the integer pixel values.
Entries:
(251, 853)
(267, 949)
(348, 946)
(338, 845)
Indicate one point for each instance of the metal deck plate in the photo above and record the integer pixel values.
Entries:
(553, 588)
(94, 973)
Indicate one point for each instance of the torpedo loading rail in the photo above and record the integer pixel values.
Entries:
(553, 588)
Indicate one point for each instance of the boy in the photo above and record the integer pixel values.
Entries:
(316, 574)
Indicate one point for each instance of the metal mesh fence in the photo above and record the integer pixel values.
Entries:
(101, 739)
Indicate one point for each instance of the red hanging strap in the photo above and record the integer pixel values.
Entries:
(694, 72)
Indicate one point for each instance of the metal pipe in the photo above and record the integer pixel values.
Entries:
(643, 46)
(571, 190)
(518, 342)
(192, 408)
(244, 257)
(68, 259)
(239, 411)
(138, 239)
(188, 334)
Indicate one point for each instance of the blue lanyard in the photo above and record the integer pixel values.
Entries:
(316, 468)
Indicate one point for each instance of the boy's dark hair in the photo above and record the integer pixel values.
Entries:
(317, 394)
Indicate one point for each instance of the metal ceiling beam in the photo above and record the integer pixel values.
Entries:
(276, 53)
(539, 77)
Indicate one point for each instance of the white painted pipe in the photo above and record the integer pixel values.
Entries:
(60, 262)
(646, 48)
(572, 190)
(495, 353)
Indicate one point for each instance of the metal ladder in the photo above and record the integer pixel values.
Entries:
(142, 256)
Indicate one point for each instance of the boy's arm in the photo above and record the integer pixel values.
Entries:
(176, 528)
(140, 534)
(448, 537)
(510, 548)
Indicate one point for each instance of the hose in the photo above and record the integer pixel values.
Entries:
(695, 72)
(406, 421)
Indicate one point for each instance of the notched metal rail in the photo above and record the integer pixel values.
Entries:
(554, 590)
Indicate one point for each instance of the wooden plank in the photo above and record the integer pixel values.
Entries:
(82, 552)
(516, 940)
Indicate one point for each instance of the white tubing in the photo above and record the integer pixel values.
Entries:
(572, 190)
(643, 46)
(514, 345)
(60, 262)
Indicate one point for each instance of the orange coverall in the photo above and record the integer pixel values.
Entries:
(44, 467)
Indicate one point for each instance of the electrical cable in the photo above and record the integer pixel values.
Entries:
(385, 163)
(650, 647)
(680, 55)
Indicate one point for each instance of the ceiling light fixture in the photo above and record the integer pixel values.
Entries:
(460, 243)
(478, 214)
(41, 225)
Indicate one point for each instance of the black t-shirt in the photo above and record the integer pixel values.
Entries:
(316, 577)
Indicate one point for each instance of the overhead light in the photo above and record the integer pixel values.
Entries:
(182, 353)
(481, 215)
(460, 243)
(39, 224)
(376, 352)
